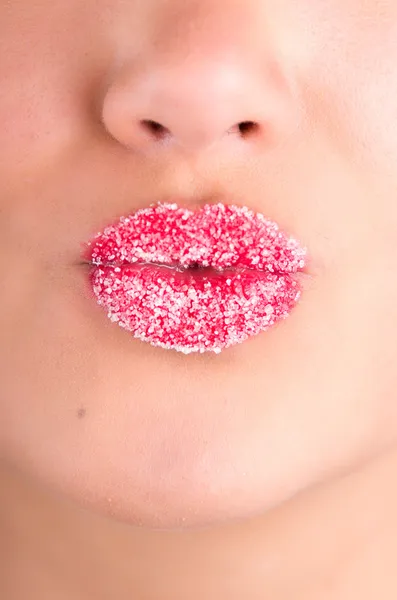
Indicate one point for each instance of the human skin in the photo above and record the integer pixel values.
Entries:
(151, 437)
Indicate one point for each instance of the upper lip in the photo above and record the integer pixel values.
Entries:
(173, 235)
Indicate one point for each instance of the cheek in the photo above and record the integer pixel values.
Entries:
(32, 115)
(48, 71)
(355, 81)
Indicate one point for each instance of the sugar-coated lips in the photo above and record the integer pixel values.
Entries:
(195, 280)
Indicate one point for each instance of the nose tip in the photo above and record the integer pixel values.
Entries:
(195, 98)
(192, 108)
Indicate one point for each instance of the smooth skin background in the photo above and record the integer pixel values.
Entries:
(270, 465)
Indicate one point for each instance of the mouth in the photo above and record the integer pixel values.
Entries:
(195, 280)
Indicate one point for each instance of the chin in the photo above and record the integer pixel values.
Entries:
(208, 494)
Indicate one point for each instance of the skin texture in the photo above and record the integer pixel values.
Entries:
(148, 437)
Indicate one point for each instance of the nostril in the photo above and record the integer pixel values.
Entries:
(156, 128)
(244, 129)
(247, 127)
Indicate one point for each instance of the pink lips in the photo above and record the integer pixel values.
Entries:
(195, 281)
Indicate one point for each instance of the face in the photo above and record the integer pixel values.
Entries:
(152, 436)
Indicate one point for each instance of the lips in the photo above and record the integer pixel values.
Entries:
(195, 280)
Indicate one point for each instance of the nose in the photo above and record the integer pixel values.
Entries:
(199, 81)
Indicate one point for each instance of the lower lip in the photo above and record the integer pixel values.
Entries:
(193, 310)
